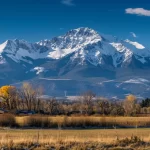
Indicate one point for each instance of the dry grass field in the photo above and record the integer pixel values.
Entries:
(85, 121)
(74, 133)
(77, 139)
(92, 135)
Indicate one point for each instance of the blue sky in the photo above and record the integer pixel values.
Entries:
(34, 20)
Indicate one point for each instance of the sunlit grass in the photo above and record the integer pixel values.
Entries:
(66, 137)
(86, 121)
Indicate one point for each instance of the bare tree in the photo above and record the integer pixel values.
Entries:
(103, 106)
(87, 100)
(31, 97)
(52, 106)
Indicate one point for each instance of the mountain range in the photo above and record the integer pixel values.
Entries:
(80, 60)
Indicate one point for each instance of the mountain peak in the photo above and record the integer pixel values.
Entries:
(3, 46)
(82, 31)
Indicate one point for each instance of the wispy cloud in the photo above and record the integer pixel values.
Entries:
(61, 28)
(133, 34)
(68, 2)
(138, 11)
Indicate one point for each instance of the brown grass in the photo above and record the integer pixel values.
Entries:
(81, 138)
(7, 120)
(58, 139)
(83, 121)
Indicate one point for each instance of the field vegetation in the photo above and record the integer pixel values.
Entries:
(70, 122)
(112, 139)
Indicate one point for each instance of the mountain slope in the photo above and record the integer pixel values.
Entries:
(84, 43)
(81, 54)
(88, 45)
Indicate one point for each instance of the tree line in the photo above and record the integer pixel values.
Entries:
(30, 98)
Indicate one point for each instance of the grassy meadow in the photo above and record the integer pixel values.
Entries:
(75, 139)
(64, 122)
(82, 121)
(39, 132)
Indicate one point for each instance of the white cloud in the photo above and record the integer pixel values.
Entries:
(68, 2)
(133, 34)
(138, 11)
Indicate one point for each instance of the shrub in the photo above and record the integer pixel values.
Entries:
(37, 121)
(7, 120)
(129, 141)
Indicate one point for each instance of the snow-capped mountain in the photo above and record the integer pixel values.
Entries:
(79, 54)
(87, 44)
(83, 43)
(20, 50)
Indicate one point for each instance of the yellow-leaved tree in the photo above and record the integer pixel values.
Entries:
(130, 105)
(8, 96)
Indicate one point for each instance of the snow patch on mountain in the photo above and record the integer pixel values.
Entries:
(38, 70)
(2, 46)
(141, 81)
(123, 56)
(59, 53)
(136, 44)
(137, 81)
(2, 60)
(119, 47)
